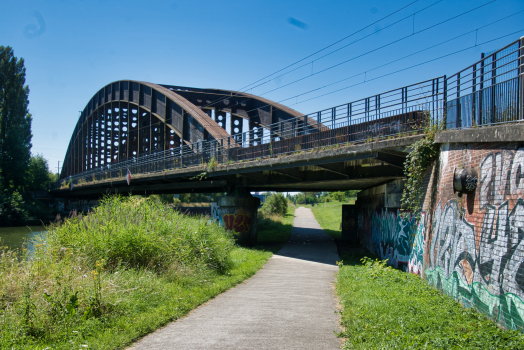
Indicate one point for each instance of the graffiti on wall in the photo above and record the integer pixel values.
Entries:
(394, 238)
(215, 212)
(416, 258)
(238, 221)
(481, 262)
(78, 205)
(81, 205)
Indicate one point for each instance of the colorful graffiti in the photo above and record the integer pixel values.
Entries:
(416, 258)
(393, 237)
(480, 262)
(486, 272)
(239, 222)
(215, 212)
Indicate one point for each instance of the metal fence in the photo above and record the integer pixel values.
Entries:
(488, 92)
(485, 93)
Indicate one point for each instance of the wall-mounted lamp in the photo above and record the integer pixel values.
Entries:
(465, 180)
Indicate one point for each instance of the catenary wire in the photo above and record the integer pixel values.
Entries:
(346, 61)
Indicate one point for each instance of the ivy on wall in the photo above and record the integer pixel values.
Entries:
(422, 155)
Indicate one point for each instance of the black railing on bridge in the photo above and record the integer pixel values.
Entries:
(485, 93)
(489, 91)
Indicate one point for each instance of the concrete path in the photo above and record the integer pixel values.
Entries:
(288, 304)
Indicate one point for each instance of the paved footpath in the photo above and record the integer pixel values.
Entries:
(288, 304)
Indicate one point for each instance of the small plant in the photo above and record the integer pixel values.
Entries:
(376, 267)
(28, 307)
(95, 305)
(203, 175)
(211, 164)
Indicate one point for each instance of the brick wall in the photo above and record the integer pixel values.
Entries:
(385, 233)
(474, 249)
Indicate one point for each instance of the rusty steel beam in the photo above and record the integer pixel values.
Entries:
(126, 119)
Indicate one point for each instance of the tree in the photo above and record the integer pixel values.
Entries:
(276, 204)
(351, 193)
(338, 196)
(38, 175)
(15, 121)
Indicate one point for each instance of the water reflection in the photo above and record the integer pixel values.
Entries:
(16, 237)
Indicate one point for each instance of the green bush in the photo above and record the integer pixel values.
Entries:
(13, 210)
(140, 232)
(275, 204)
(338, 196)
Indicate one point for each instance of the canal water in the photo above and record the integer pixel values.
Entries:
(16, 237)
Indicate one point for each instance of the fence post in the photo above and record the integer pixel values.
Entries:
(481, 90)
(493, 84)
(305, 125)
(521, 77)
(445, 103)
(333, 118)
(474, 101)
(458, 104)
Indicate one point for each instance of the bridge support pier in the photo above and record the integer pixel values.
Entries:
(238, 212)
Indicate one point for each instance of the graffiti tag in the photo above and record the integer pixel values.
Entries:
(237, 222)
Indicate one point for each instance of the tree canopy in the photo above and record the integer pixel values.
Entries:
(15, 121)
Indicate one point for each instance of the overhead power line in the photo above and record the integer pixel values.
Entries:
(402, 58)
(351, 59)
(351, 43)
(410, 67)
(399, 59)
(333, 44)
(245, 88)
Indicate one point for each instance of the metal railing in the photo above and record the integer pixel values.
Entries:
(488, 92)
(485, 93)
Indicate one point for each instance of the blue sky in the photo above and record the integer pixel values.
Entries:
(72, 48)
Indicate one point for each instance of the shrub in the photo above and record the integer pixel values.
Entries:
(138, 232)
(338, 196)
(276, 204)
(13, 210)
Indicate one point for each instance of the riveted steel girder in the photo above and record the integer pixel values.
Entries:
(127, 119)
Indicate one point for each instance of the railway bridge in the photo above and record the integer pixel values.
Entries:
(137, 137)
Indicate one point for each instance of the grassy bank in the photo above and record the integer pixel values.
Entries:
(329, 216)
(274, 229)
(384, 308)
(106, 279)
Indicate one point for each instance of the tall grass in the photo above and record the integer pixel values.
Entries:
(107, 278)
(140, 233)
(274, 228)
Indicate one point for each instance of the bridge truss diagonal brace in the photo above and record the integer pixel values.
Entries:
(253, 176)
(392, 159)
(289, 173)
(333, 170)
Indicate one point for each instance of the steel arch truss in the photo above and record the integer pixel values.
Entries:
(127, 119)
